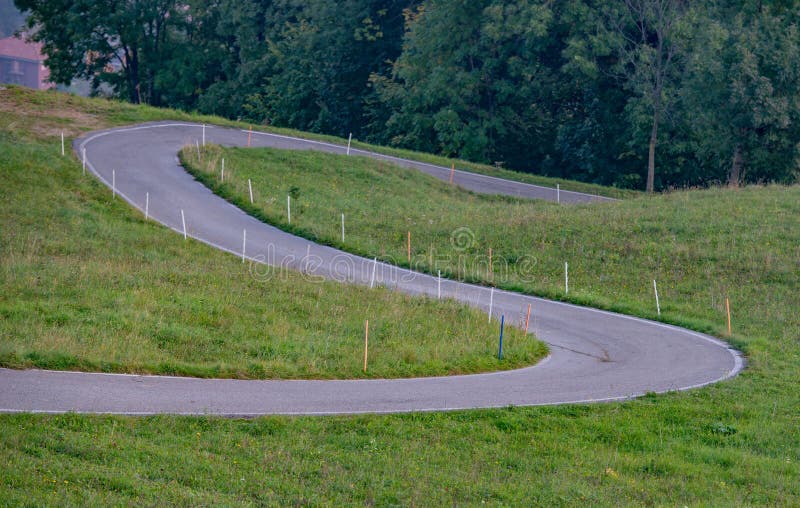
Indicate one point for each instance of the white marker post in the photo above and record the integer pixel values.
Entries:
(183, 221)
(439, 288)
(250, 188)
(349, 139)
(566, 278)
(289, 208)
(62, 143)
(147, 206)
(244, 243)
(204, 135)
(491, 304)
(83, 152)
(374, 267)
(658, 305)
(222, 173)
(558, 193)
(197, 145)
(114, 184)
(342, 228)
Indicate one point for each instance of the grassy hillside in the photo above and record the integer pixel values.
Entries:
(88, 284)
(700, 247)
(731, 444)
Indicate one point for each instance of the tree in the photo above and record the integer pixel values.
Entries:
(92, 39)
(646, 37)
(742, 90)
(470, 83)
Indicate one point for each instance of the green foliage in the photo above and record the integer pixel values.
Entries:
(469, 81)
(743, 85)
(638, 93)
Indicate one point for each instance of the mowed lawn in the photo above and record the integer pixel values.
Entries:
(731, 444)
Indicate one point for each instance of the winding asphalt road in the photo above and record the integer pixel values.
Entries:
(595, 355)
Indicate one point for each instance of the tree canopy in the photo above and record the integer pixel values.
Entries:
(647, 94)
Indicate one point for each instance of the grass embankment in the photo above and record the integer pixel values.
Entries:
(700, 247)
(731, 444)
(87, 284)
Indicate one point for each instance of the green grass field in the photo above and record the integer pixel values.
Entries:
(735, 443)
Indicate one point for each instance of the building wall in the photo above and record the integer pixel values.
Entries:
(19, 71)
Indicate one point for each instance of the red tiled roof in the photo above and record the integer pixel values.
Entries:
(11, 46)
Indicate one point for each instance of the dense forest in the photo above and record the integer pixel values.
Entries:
(649, 94)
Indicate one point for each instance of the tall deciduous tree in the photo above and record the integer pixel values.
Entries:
(470, 83)
(742, 95)
(646, 37)
(91, 39)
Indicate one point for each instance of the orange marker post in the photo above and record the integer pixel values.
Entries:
(249, 135)
(728, 310)
(366, 342)
(527, 319)
(408, 246)
(452, 173)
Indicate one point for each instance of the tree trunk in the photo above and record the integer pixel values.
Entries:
(651, 156)
(736, 166)
(133, 77)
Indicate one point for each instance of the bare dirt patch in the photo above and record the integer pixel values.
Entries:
(45, 115)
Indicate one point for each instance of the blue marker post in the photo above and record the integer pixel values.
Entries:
(502, 324)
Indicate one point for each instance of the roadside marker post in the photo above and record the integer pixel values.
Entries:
(452, 173)
(222, 173)
(408, 247)
(249, 135)
(349, 139)
(114, 184)
(728, 311)
(566, 278)
(439, 286)
(527, 319)
(250, 188)
(658, 305)
(197, 145)
(558, 193)
(244, 243)
(490, 262)
(374, 267)
(146, 206)
(502, 325)
(491, 303)
(366, 343)
(204, 135)
(62, 143)
(342, 228)
(183, 221)
(289, 209)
